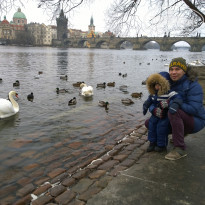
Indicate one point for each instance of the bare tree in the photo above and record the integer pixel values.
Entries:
(126, 14)
(7, 5)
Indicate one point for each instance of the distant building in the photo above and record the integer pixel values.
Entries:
(108, 34)
(19, 21)
(74, 33)
(42, 34)
(6, 30)
(62, 29)
(54, 31)
(91, 29)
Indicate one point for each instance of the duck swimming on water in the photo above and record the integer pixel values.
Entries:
(136, 95)
(127, 101)
(101, 85)
(64, 77)
(103, 104)
(61, 90)
(73, 101)
(17, 83)
(30, 97)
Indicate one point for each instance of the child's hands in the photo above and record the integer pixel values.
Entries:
(164, 104)
(159, 112)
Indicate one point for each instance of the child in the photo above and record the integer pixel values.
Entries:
(158, 101)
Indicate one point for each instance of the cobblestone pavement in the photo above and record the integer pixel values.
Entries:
(78, 184)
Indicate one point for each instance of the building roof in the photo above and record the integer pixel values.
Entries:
(19, 14)
(5, 21)
(91, 21)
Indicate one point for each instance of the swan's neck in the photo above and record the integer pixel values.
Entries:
(14, 103)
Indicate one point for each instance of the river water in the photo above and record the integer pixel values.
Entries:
(36, 132)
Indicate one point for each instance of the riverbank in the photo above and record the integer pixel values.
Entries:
(201, 78)
(155, 180)
(80, 183)
(125, 174)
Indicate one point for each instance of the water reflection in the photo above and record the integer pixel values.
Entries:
(62, 62)
(91, 63)
(22, 61)
(9, 122)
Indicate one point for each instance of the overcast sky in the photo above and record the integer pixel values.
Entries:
(82, 16)
(80, 20)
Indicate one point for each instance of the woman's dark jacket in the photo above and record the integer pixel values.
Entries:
(192, 95)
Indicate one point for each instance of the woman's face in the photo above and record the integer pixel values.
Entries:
(176, 73)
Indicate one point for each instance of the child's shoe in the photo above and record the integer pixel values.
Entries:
(151, 147)
(160, 149)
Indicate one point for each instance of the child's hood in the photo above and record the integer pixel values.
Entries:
(160, 78)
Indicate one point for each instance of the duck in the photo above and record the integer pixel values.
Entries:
(127, 101)
(30, 97)
(37, 76)
(144, 82)
(120, 74)
(101, 85)
(0, 80)
(136, 95)
(123, 88)
(77, 84)
(40, 72)
(61, 90)
(112, 84)
(124, 75)
(103, 104)
(86, 91)
(73, 101)
(16, 84)
(64, 77)
(9, 107)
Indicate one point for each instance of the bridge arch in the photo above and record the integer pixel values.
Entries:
(181, 44)
(156, 45)
(67, 43)
(100, 43)
(82, 43)
(119, 43)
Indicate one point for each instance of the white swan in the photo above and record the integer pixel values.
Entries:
(9, 107)
(86, 91)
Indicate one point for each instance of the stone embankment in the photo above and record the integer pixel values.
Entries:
(77, 185)
(201, 77)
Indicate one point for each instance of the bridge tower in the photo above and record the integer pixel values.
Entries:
(62, 29)
(91, 29)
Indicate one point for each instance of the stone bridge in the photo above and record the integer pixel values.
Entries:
(165, 43)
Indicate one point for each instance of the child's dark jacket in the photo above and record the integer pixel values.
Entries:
(158, 128)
